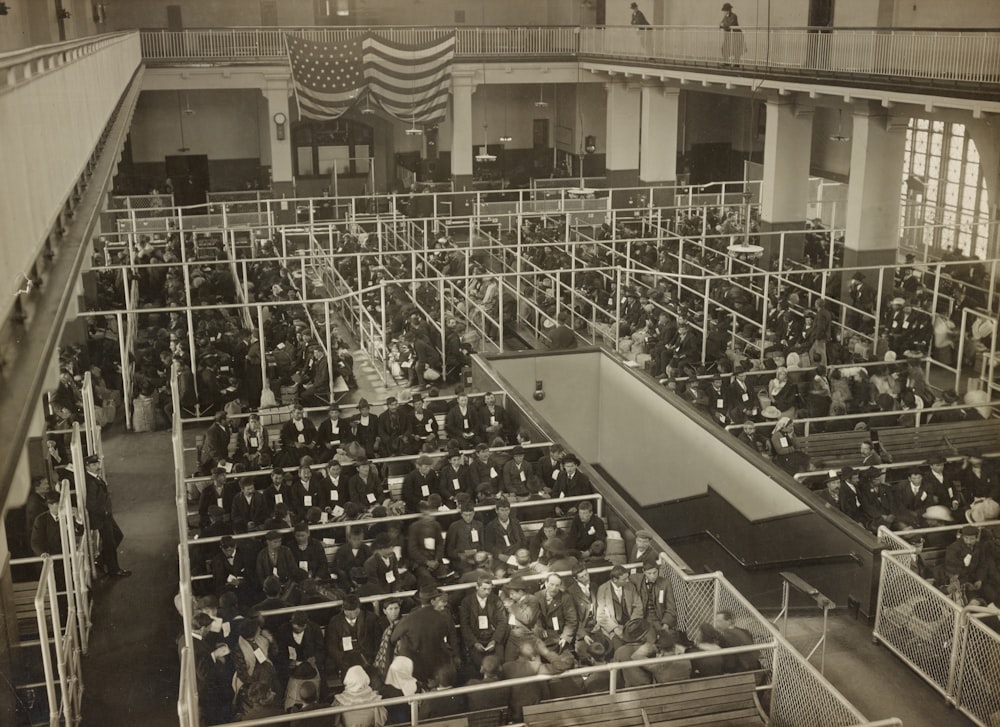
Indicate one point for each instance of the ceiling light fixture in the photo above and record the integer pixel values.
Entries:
(541, 103)
(413, 130)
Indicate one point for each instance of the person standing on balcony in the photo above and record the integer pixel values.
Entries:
(732, 42)
(639, 20)
(637, 16)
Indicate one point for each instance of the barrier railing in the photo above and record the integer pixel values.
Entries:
(956, 56)
(937, 636)
(269, 43)
(924, 54)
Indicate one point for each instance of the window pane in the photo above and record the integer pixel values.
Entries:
(361, 161)
(330, 156)
(305, 157)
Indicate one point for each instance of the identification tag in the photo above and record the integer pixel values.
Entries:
(371, 497)
(259, 655)
(555, 474)
(254, 442)
(338, 511)
(661, 597)
(334, 496)
(425, 491)
(218, 501)
(307, 500)
(390, 577)
(347, 643)
(555, 623)
(429, 543)
(304, 565)
(292, 654)
(484, 623)
(474, 535)
(278, 498)
(429, 426)
(522, 476)
(783, 441)
(302, 439)
(506, 541)
(493, 472)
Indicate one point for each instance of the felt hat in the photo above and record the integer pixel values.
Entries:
(635, 630)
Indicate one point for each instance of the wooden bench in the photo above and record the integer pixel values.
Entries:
(724, 700)
(24, 609)
(483, 718)
(836, 449)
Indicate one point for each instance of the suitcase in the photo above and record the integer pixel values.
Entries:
(143, 417)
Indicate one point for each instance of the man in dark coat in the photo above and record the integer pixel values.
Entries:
(102, 519)
(427, 634)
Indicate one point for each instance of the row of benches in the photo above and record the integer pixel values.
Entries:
(729, 700)
(837, 449)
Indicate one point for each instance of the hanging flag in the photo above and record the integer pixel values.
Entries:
(410, 82)
(327, 77)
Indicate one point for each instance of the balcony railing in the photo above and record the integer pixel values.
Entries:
(874, 53)
(971, 57)
(268, 44)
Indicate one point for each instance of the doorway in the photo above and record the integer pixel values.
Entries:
(269, 13)
(175, 23)
(189, 175)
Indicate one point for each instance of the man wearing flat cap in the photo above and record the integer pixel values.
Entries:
(516, 475)
(275, 560)
(232, 570)
(427, 634)
(419, 483)
(102, 519)
(483, 621)
(557, 613)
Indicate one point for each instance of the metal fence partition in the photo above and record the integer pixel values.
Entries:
(916, 621)
(948, 646)
(976, 691)
(801, 696)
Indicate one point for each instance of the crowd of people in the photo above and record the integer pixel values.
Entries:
(267, 538)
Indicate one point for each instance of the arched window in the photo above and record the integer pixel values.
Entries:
(321, 146)
(945, 205)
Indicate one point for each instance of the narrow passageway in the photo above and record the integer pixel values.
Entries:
(130, 671)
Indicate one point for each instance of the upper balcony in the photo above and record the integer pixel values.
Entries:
(964, 64)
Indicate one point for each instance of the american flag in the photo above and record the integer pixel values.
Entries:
(327, 77)
(409, 82)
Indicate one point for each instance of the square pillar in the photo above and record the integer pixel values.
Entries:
(622, 148)
(282, 178)
(658, 133)
(462, 86)
(871, 234)
(787, 153)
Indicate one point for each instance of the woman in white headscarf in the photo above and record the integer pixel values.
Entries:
(358, 693)
(399, 682)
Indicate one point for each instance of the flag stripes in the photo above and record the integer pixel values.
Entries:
(408, 81)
